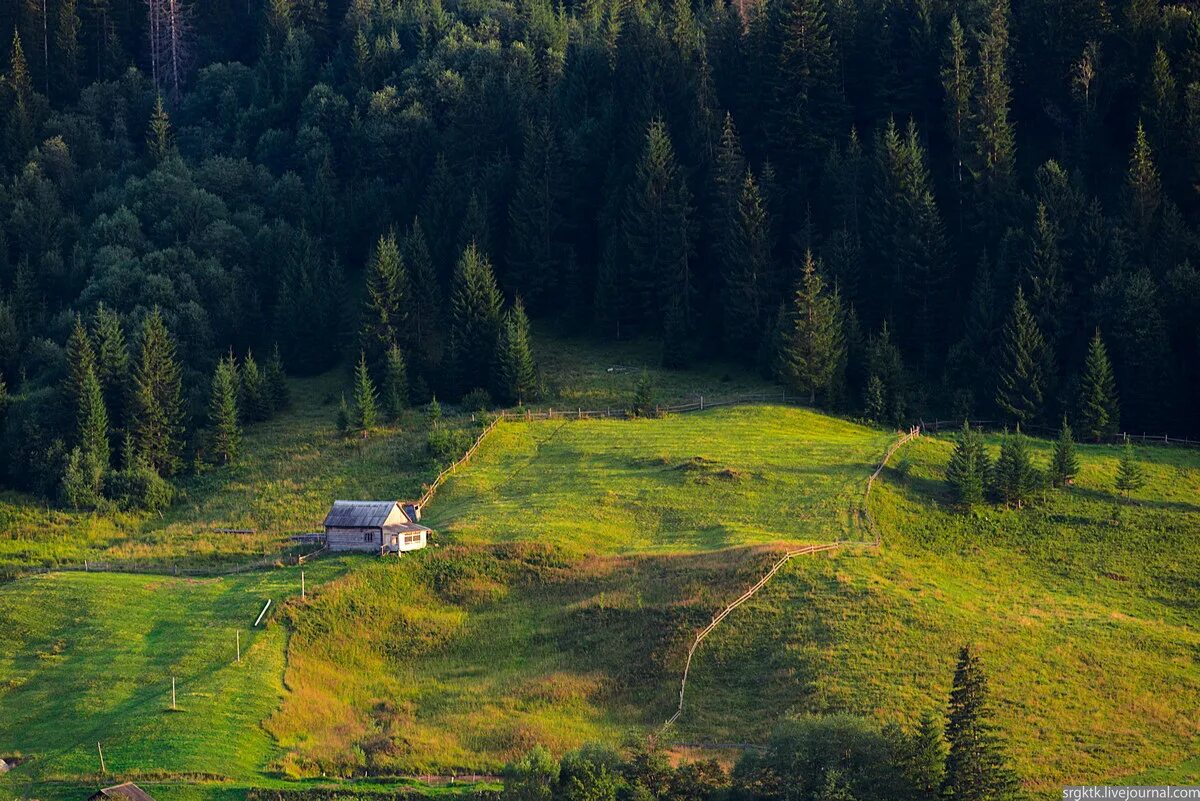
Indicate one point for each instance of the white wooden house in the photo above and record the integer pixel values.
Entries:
(379, 526)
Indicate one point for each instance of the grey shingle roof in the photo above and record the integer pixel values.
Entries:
(359, 514)
(124, 792)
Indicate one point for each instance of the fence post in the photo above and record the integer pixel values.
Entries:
(701, 403)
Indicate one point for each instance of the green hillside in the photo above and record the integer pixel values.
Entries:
(1084, 622)
(737, 476)
(573, 563)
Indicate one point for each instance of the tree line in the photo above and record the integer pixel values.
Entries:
(898, 208)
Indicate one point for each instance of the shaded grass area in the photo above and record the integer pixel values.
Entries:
(1087, 627)
(87, 658)
(703, 481)
(467, 657)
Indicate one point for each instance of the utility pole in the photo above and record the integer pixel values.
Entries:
(103, 770)
(301, 583)
(237, 636)
(172, 692)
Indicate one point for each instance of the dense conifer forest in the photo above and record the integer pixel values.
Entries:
(899, 208)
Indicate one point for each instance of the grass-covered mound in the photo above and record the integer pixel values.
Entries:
(466, 657)
(729, 477)
(1087, 627)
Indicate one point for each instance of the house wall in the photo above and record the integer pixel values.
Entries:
(352, 539)
(417, 537)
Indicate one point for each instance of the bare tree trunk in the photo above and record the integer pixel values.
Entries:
(46, 47)
(154, 18)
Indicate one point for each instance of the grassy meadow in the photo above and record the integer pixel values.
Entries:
(697, 482)
(87, 658)
(573, 561)
(1085, 621)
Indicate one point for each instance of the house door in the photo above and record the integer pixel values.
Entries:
(395, 542)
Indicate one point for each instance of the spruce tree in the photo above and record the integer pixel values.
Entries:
(1016, 478)
(81, 360)
(66, 40)
(253, 392)
(225, 430)
(657, 231)
(20, 129)
(976, 766)
(995, 145)
(643, 396)
(159, 140)
(517, 375)
(924, 765)
(1065, 464)
(1098, 412)
(968, 469)
(958, 82)
(386, 313)
(747, 277)
(275, 379)
(1047, 290)
(426, 288)
(92, 431)
(1145, 191)
(535, 219)
(729, 174)
(1021, 386)
(808, 104)
(475, 321)
(366, 404)
(158, 398)
(1129, 473)
(395, 383)
(112, 363)
(815, 347)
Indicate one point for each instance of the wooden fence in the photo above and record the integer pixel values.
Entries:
(619, 413)
(912, 434)
(1047, 431)
(449, 471)
(865, 512)
(747, 595)
(280, 558)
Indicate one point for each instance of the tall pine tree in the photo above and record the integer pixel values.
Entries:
(475, 320)
(976, 767)
(224, 429)
(158, 398)
(1021, 388)
(814, 347)
(1098, 412)
(387, 300)
(516, 373)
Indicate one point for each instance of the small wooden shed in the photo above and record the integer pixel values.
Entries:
(380, 526)
(127, 791)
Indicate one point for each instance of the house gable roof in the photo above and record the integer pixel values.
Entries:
(123, 792)
(359, 514)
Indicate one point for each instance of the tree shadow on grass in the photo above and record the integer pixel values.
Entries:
(1101, 496)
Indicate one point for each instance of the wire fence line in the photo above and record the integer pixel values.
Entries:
(864, 510)
(747, 595)
(1144, 438)
(277, 559)
(623, 413)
